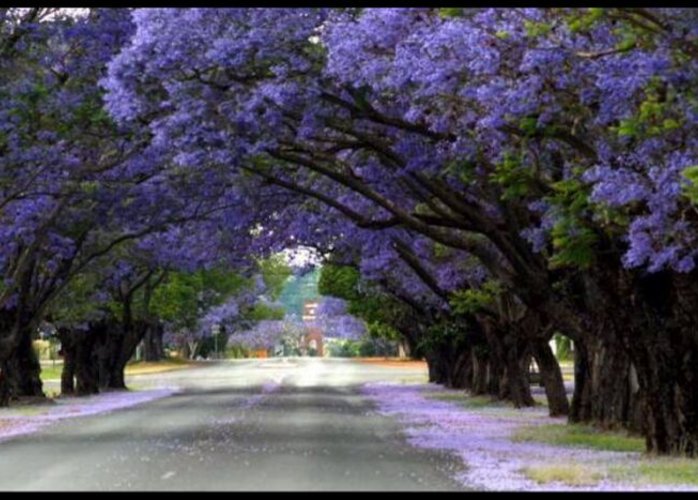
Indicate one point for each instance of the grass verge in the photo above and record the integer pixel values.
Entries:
(658, 470)
(569, 474)
(145, 367)
(49, 372)
(581, 436)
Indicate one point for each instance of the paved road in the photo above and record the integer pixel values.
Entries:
(276, 424)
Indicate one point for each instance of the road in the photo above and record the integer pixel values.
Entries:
(274, 424)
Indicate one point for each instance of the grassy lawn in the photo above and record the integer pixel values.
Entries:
(50, 372)
(654, 470)
(145, 367)
(645, 470)
(471, 402)
(569, 474)
(482, 402)
(581, 436)
(650, 471)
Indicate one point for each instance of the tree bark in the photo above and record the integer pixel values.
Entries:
(152, 342)
(24, 373)
(551, 378)
(86, 371)
(68, 371)
(603, 393)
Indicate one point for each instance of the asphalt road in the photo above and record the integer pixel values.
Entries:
(276, 424)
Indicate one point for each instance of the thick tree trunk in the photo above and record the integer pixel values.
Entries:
(24, 372)
(517, 375)
(481, 372)
(507, 352)
(86, 372)
(459, 370)
(580, 407)
(668, 374)
(152, 342)
(69, 361)
(117, 345)
(604, 393)
(436, 368)
(551, 378)
(4, 385)
(664, 350)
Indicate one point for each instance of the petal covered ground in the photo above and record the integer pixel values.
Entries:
(483, 439)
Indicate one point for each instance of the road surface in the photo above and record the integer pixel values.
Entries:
(274, 424)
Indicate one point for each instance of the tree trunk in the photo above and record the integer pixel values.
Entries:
(480, 364)
(516, 375)
(603, 394)
(4, 385)
(664, 351)
(124, 341)
(668, 375)
(24, 372)
(86, 371)
(580, 407)
(68, 371)
(551, 378)
(436, 368)
(152, 342)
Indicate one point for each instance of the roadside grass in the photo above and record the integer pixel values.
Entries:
(50, 372)
(53, 373)
(416, 379)
(470, 402)
(649, 471)
(569, 474)
(145, 367)
(485, 403)
(658, 470)
(580, 436)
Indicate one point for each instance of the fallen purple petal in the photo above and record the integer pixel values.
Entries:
(491, 460)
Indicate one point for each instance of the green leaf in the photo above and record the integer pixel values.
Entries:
(690, 188)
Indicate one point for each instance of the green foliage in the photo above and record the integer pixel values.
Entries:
(513, 176)
(573, 240)
(344, 349)
(472, 300)
(445, 332)
(183, 297)
(339, 281)
(367, 347)
(654, 116)
(380, 312)
(573, 244)
(442, 251)
(563, 347)
(449, 12)
(381, 330)
(584, 19)
(261, 311)
(690, 188)
(76, 303)
(176, 300)
(537, 29)
(275, 272)
(463, 169)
